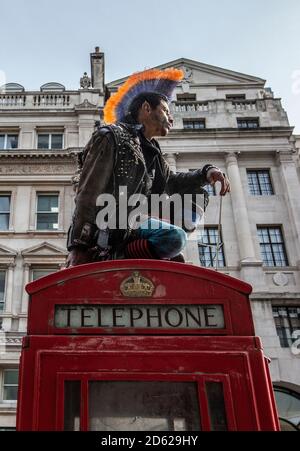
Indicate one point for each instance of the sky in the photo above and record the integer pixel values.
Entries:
(50, 40)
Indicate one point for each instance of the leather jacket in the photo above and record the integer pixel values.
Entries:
(114, 157)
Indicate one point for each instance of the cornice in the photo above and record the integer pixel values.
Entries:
(237, 132)
(40, 154)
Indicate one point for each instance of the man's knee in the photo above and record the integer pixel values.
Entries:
(178, 238)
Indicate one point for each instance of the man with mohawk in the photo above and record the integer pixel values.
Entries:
(125, 155)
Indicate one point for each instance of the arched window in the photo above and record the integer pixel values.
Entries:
(288, 405)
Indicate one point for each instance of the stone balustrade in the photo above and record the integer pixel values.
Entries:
(57, 100)
(183, 107)
(12, 100)
(38, 100)
(231, 106)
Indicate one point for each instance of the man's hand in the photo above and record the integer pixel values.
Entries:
(216, 175)
(79, 256)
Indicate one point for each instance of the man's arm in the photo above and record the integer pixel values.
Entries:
(95, 179)
(192, 182)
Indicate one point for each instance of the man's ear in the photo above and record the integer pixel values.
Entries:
(146, 108)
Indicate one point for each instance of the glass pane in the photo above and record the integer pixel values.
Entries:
(2, 141)
(10, 393)
(56, 141)
(4, 221)
(12, 142)
(288, 406)
(38, 273)
(11, 377)
(2, 285)
(47, 221)
(216, 406)
(72, 406)
(143, 406)
(4, 204)
(43, 141)
(47, 203)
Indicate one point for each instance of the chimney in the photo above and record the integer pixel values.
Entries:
(97, 69)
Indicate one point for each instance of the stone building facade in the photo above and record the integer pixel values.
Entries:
(227, 118)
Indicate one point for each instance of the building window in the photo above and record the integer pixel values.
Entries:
(287, 320)
(248, 123)
(235, 97)
(38, 272)
(50, 141)
(8, 141)
(4, 211)
(272, 246)
(47, 212)
(10, 385)
(2, 290)
(193, 124)
(259, 182)
(186, 97)
(207, 245)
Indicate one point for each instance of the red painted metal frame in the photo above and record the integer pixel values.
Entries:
(85, 378)
(176, 284)
(232, 355)
(236, 358)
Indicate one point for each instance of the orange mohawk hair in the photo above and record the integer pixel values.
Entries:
(157, 81)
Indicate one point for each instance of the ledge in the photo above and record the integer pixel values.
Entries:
(30, 153)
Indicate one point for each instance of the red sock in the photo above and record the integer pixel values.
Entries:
(139, 249)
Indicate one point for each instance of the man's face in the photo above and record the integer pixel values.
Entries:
(161, 119)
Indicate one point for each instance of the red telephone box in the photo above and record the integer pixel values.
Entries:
(142, 345)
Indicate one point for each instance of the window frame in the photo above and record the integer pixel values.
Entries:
(193, 121)
(211, 246)
(248, 120)
(186, 97)
(235, 97)
(270, 243)
(7, 194)
(51, 270)
(49, 134)
(9, 401)
(3, 270)
(6, 134)
(46, 193)
(257, 172)
(285, 341)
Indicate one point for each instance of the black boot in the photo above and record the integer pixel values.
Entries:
(178, 258)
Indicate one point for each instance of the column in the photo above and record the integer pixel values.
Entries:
(9, 288)
(7, 319)
(291, 189)
(241, 219)
(25, 296)
(24, 300)
(171, 160)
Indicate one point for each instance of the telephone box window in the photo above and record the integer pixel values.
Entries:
(72, 406)
(216, 406)
(143, 406)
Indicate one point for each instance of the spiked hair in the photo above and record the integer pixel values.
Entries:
(155, 81)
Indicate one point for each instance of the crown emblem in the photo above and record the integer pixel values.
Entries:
(137, 286)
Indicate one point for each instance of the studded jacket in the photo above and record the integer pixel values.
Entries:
(120, 155)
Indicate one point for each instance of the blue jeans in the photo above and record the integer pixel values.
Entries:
(166, 240)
